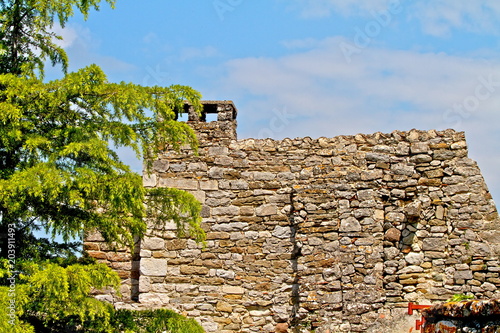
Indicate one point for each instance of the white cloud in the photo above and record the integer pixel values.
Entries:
(437, 17)
(68, 35)
(440, 17)
(324, 8)
(83, 51)
(316, 93)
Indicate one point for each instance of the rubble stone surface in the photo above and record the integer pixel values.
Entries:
(336, 234)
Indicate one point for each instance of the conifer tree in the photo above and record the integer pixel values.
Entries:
(58, 169)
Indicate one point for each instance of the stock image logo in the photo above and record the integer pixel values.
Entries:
(224, 6)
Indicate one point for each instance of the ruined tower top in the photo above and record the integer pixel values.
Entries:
(220, 130)
(225, 111)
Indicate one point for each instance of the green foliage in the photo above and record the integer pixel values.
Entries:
(50, 298)
(166, 204)
(26, 36)
(460, 297)
(58, 169)
(152, 321)
(59, 173)
(46, 293)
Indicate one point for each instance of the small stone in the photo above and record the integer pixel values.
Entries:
(281, 327)
(414, 258)
(350, 224)
(224, 307)
(393, 235)
(266, 210)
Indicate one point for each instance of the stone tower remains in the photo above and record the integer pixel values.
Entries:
(333, 234)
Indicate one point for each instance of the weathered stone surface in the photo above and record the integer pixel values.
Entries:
(393, 235)
(153, 267)
(433, 244)
(153, 243)
(282, 232)
(265, 210)
(339, 232)
(350, 224)
(182, 184)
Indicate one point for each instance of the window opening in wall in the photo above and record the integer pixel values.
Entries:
(182, 117)
(211, 117)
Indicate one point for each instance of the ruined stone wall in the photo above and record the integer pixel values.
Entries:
(337, 234)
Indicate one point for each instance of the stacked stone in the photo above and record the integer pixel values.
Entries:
(333, 234)
(123, 261)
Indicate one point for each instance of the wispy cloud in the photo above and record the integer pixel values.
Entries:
(383, 90)
(82, 48)
(68, 35)
(437, 18)
(324, 8)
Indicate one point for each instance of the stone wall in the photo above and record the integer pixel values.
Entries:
(337, 234)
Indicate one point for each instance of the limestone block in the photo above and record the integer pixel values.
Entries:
(349, 224)
(149, 180)
(229, 210)
(282, 232)
(281, 327)
(197, 166)
(225, 274)
(194, 270)
(419, 147)
(266, 210)
(178, 167)
(392, 235)
(199, 195)
(232, 290)
(144, 284)
(443, 154)
(224, 307)
(153, 298)
(216, 172)
(153, 243)
(182, 184)
(209, 185)
(480, 249)
(263, 176)
(433, 244)
(218, 151)
(402, 169)
(414, 258)
(93, 236)
(413, 209)
(239, 184)
(153, 267)
(463, 275)
(160, 165)
(421, 158)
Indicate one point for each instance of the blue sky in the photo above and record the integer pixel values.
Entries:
(314, 68)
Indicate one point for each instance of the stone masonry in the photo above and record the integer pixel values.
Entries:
(333, 234)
